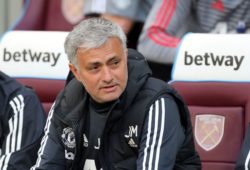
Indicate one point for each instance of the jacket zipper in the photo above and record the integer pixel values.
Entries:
(104, 152)
(75, 163)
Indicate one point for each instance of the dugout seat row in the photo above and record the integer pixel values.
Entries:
(217, 92)
(37, 60)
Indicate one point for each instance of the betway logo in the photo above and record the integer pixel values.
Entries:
(28, 55)
(210, 59)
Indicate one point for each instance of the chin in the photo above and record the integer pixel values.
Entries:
(110, 99)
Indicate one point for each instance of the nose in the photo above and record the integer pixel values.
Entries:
(107, 75)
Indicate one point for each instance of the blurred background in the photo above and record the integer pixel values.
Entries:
(10, 10)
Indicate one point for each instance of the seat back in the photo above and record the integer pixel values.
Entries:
(37, 60)
(211, 73)
(56, 15)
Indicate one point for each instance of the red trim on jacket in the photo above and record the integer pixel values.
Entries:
(157, 32)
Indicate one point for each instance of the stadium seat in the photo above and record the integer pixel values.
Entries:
(46, 89)
(37, 60)
(212, 74)
(55, 15)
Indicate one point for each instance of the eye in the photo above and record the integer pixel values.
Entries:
(93, 68)
(115, 63)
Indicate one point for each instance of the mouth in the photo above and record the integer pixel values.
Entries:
(110, 88)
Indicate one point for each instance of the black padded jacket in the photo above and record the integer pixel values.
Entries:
(148, 127)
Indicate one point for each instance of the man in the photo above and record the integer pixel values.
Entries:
(169, 20)
(114, 115)
(22, 120)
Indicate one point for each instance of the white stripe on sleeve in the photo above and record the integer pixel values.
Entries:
(13, 139)
(45, 138)
(156, 125)
(247, 161)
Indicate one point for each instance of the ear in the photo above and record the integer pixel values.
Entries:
(74, 70)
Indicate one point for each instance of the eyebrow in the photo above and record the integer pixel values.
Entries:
(113, 58)
(94, 63)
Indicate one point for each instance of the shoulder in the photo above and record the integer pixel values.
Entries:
(72, 93)
(134, 55)
(158, 86)
(69, 98)
(9, 86)
(153, 90)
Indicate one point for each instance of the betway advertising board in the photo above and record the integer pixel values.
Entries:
(34, 54)
(218, 57)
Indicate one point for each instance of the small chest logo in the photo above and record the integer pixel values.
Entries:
(132, 135)
(68, 137)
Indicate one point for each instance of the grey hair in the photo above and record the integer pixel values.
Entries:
(92, 33)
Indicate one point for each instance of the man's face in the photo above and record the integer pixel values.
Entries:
(102, 71)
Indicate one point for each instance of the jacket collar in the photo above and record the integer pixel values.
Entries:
(73, 101)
